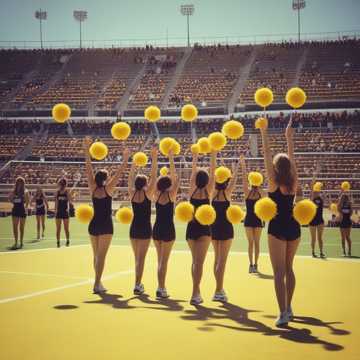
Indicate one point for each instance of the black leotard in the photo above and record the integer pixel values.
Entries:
(318, 218)
(101, 223)
(284, 226)
(221, 229)
(18, 209)
(251, 220)
(164, 228)
(346, 216)
(140, 227)
(194, 229)
(62, 205)
(40, 206)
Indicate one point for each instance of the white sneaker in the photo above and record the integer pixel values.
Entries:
(161, 293)
(139, 289)
(220, 296)
(290, 313)
(99, 289)
(196, 300)
(283, 319)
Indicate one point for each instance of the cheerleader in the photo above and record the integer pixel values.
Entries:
(100, 229)
(62, 199)
(222, 231)
(316, 225)
(199, 236)
(253, 225)
(345, 210)
(283, 230)
(164, 228)
(141, 190)
(41, 208)
(20, 199)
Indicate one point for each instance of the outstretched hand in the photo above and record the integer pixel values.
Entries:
(87, 142)
(289, 132)
(126, 155)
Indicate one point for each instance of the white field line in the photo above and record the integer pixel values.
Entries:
(51, 290)
(43, 275)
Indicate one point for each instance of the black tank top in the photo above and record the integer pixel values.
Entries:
(39, 203)
(102, 207)
(164, 212)
(220, 207)
(198, 202)
(320, 205)
(285, 204)
(142, 211)
(19, 202)
(250, 204)
(346, 210)
(63, 201)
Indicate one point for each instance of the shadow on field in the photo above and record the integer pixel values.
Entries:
(66, 307)
(113, 300)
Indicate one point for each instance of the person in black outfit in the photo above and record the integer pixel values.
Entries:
(283, 230)
(62, 199)
(41, 208)
(141, 191)
(100, 229)
(222, 231)
(316, 225)
(345, 211)
(253, 225)
(199, 236)
(164, 229)
(20, 199)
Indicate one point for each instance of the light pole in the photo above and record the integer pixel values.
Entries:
(41, 15)
(80, 16)
(298, 5)
(187, 10)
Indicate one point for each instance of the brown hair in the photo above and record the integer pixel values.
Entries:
(284, 173)
(19, 182)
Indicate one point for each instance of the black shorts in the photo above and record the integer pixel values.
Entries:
(195, 230)
(288, 230)
(316, 221)
(163, 232)
(40, 212)
(223, 230)
(104, 227)
(62, 215)
(140, 231)
(19, 213)
(253, 221)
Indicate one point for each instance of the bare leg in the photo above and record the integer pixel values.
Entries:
(58, 230)
(223, 248)
(67, 232)
(277, 250)
(43, 225)
(199, 250)
(163, 250)
(320, 230)
(250, 237)
(343, 237)
(348, 240)
(290, 275)
(15, 222)
(38, 226)
(94, 245)
(313, 238)
(22, 228)
(257, 234)
(102, 249)
(140, 247)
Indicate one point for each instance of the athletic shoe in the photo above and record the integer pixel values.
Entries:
(290, 313)
(251, 269)
(99, 289)
(220, 296)
(349, 254)
(196, 300)
(14, 247)
(67, 242)
(58, 244)
(322, 255)
(255, 268)
(161, 293)
(344, 254)
(139, 289)
(283, 319)
(314, 255)
(21, 246)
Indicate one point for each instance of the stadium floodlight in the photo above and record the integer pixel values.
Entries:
(80, 16)
(187, 10)
(41, 15)
(298, 5)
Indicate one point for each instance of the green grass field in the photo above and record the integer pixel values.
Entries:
(79, 235)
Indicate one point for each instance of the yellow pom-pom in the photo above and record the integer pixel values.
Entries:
(264, 97)
(184, 211)
(124, 215)
(120, 131)
(195, 148)
(255, 178)
(84, 213)
(317, 186)
(189, 112)
(204, 145)
(165, 145)
(295, 97)
(140, 159)
(304, 211)
(265, 209)
(261, 123)
(176, 148)
(61, 112)
(345, 186)
(235, 214)
(333, 208)
(98, 150)
(217, 141)
(205, 214)
(164, 171)
(222, 174)
(233, 129)
(152, 113)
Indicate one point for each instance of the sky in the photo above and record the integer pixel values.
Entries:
(154, 21)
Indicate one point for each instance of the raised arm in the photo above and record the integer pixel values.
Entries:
(27, 199)
(114, 180)
(193, 173)
(88, 166)
(131, 180)
(173, 176)
(211, 184)
(268, 159)
(289, 134)
(244, 176)
(233, 180)
(153, 174)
